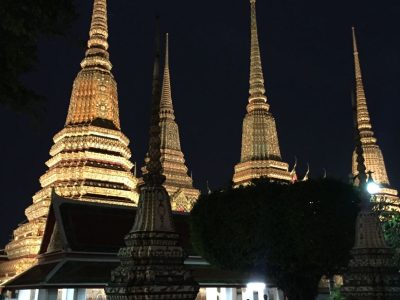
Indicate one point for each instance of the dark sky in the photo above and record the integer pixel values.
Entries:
(308, 68)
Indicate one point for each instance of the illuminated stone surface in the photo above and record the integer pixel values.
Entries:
(90, 156)
(178, 183)
(261, 156)
(372, 153)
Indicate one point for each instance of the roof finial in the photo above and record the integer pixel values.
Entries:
(166, 107)
(305, 178)
(154, 175)
(293, 173)
(97, 54)
(208, 188)
(257, 89)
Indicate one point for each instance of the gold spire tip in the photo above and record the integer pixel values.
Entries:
(167, 50)
(97, 45)
(353, 29)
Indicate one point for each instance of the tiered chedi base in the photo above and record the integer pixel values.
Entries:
(178, 183)
(260, 155)
(89, 163)
(372, 273)
(152, 263)
(90, 156)
(247, 171)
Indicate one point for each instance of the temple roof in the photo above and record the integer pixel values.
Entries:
(90, 236)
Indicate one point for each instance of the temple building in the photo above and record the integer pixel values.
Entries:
(90, 156)
(76, 264)
(372, 153)
(261, 156)
(178, 183)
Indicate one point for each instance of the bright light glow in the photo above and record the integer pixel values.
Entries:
(256, 285)
(373, 188)
(24, 294)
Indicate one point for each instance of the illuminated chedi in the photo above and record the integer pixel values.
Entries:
(178, 183)
(152, 262)
(372, 272)
(260, 155)
(372, 153)
(90, 156)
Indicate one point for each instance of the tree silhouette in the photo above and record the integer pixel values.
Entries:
(289, 234)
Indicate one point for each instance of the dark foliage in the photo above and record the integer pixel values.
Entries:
(292, 234)
(391, 229)
(22, 23)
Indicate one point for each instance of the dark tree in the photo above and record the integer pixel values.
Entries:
(391, 229)
(22, 23)
(291, 234)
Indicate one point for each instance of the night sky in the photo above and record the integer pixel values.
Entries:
(308, 66)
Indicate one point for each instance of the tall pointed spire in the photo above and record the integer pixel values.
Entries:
(372, 154)
(363, 119)
(372, 272)
(94, 98)
(257, 88)
(260, 155)
(166, 107)
(178, 183)
(154, 169)
(90, 156)
(97, 54)
(152, 262)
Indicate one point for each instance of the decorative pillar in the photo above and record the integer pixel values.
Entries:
(80, 294)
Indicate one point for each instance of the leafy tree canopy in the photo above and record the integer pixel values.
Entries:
(292, 234)
(22, 22)
(391, 229)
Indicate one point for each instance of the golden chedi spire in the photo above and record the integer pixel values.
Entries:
(257, 89)
(166, 106)
(372, 153)
(372, 272)
(97, 55)
(260, 156)
(94, 96)
(364, 122)
(90, 156)
(152, 261)
(178, 183)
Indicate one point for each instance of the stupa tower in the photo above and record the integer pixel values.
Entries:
(261, 156)
(372, 153)
(152, 262)
(90, 156)
(178, 183)
(372, 273)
